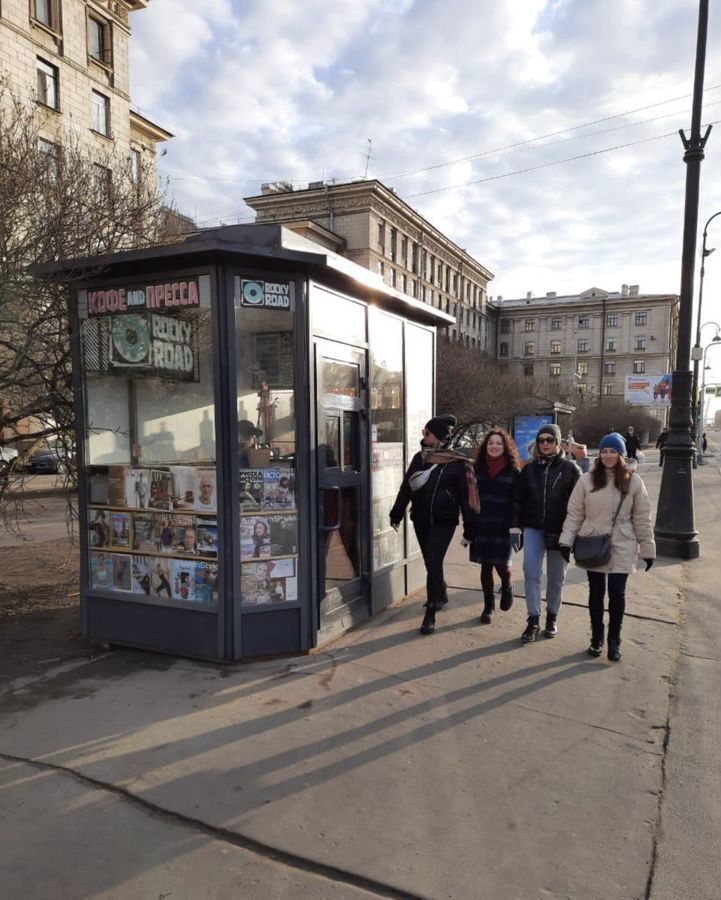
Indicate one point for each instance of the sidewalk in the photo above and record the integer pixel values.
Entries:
(462, 765)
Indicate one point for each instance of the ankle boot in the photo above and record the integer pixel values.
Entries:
(551, 629)
(614, 650)
(489, 607)
(506, 597)
(428, 625)
(532, 630)
(596, 644)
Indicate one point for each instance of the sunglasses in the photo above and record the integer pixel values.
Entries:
(548, 440)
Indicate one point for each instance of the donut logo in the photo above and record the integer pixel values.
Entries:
(253, 294)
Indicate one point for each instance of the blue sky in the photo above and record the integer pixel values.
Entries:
(265, 90)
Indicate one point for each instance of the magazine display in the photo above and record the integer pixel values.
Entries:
(204, 490)
(183, 579)
(98, 488)
(206, 581)
(98, 528)
(251, 489)
(283, 534)
(184, 534)
(273, 581)
(144, 532)
(164, 533)
(120, 536)
(161, 490)
(160, 578)
(116, 485)
(137, 488)
(206, 535)
(122, 572)
(254, 537)
(140, 569)
(183, 480)
(101, 571)
(278, 488)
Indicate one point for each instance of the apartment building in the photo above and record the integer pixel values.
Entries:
(368, 223)
(69, 59)
(587, 343)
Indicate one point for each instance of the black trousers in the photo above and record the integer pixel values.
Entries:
(434, 541)
(616, 603)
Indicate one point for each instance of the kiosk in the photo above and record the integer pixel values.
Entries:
(246, 404)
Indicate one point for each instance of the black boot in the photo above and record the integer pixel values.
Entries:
(551, 629)
(596, 644)
(506, 597)
(614, 649)
(489, 607)
(443, 599)
(532, 630)
(428, 625)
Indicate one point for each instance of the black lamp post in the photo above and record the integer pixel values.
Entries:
(696, 352)
(675, 529)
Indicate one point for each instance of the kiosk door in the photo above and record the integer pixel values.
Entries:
(343, 473)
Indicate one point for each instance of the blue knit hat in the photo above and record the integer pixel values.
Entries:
(614, 441)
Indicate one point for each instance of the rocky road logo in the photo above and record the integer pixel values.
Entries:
(265, 294)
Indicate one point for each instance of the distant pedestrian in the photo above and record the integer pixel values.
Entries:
(661, 444)
(633, 445)
(577, 452)
(439, 483)
(704, 443)
(540, 499)
(610, 499)
(496, 465)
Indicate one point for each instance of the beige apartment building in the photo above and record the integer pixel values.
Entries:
(587, 343)
(69, 59)
(370, 224)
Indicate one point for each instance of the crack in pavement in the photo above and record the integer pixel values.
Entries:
(257, 848)
(630, 737)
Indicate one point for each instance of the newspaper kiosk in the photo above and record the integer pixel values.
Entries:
(246, 404)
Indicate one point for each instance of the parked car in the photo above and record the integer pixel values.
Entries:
(48, 461)
(7, 456)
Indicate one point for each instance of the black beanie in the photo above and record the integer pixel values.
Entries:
(441, 426)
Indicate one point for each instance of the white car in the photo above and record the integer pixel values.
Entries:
(7, 455)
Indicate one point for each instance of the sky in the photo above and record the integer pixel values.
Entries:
(474, 112)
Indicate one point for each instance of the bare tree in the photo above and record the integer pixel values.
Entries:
(55, 203)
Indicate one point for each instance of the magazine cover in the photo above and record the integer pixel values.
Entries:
(164, 534)
(254, 537)
(283, 590)
(140, 570)
(116, 485)
(278, 489)
(251, 489)
(120, 530)
(144, 532)
(185, 536)
(206, 582)
(137, 488)
(282, 568)
(160, 576)
(98, 488)
(255, 584)
(206, 536)
(99, 528)
(283, 535)
(183, 579)
(204, 490)
(101, 572)
(122, 574)
(183, 478)
(161, 489)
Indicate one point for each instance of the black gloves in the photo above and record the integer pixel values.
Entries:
(649, 563)
(565, 553)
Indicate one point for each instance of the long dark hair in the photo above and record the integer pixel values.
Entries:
(621, 475)
(509, 449)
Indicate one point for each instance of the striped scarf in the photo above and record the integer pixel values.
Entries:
(443, 457)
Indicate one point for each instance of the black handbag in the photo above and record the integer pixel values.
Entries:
(594, 551)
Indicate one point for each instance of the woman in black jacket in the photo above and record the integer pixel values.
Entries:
(439, 482)
(496, 466)
(540, 501)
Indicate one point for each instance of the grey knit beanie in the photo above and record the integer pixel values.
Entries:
(553, 430)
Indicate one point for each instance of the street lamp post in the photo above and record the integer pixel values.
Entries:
(675, 529)
(694, 391)
(702, 398)
(697, 354)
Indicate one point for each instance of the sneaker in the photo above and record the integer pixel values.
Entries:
(506, 598)
(595, 648)
(532, 630)
(614, 650)
(551, 629)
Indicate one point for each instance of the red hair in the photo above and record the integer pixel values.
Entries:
(509, 448)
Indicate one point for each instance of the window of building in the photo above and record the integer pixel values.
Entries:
(528, 370)
(609, 388)
(640, 318)
(414, 258)
(556, 323)
(612, 320)
(100, 45)
(639, 343)
(102, 180)
(583, 346)
(393, 277)
(609, 368)
(393, 249)
(582, 367)
(503, 349)
(555, 346)
(584, 321)
(639, 366)
(555, 370)
(382, 235)
(381, 268)
(135, 165)
(611, 345)
(505, 326)
(529, 325)
(404, 251)
(529, 348)
(404, 283)
(101, 114)
(47, 12)
(47, 76)
(51, 157)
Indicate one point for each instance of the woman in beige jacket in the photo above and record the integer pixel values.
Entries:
(591, 509)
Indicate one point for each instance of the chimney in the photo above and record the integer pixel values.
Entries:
(529, 295)
(499, 298)
(550, 293)
(624, 290)
(633, 290)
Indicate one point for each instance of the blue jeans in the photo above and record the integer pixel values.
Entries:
(534, 549)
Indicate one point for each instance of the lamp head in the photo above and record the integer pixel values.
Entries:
(709, 251)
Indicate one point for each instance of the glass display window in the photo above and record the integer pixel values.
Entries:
(265, 408)
(419, 397)
(150, 440)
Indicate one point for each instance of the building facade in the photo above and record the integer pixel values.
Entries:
(69, 59)
(368, 223)
(586, 344)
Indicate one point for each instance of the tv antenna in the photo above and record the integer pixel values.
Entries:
(368, 157)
